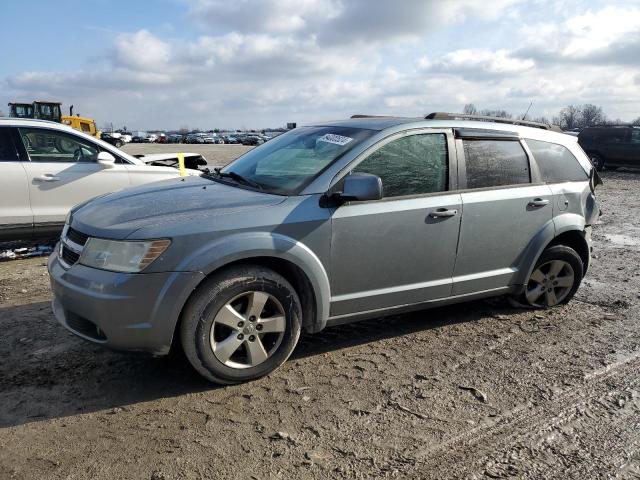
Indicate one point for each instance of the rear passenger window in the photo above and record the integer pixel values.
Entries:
(492, 163)
(411, 165)
(556, 162)
(7, 150)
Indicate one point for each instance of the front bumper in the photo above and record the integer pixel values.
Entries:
(124, 311)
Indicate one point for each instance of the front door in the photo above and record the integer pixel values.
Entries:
(399, 250)
(63, 171)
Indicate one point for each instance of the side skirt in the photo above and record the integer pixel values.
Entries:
(355, 317)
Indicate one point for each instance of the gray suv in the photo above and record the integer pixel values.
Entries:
(323, 225)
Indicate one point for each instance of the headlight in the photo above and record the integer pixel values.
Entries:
(121, 256)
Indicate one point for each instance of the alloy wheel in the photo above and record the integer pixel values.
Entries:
(550, 283)
(248, 329)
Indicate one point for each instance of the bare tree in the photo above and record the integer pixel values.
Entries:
(542, 119)
(470, 109)
(591, 115)
(496, 113)
(569, 117)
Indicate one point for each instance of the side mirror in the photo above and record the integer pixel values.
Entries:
(106, 159)
(362, 187)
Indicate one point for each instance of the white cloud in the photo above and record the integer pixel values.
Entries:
(477, 62)
(610, 35)
(259, 63)
(141, 51)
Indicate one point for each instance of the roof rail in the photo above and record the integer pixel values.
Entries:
(483, 118)
(360, 115)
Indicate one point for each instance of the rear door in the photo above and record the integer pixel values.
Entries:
(502, 210)
(16, 218)
(63, 171)
(401, 249)
(615, 145)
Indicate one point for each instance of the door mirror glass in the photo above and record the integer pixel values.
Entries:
(106, 159)
(362, 187)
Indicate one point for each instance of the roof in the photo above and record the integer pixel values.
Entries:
(384, 123)
(369, 123)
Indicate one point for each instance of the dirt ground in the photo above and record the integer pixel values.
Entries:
(480, 390)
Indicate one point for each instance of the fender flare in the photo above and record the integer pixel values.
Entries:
(553, 228)
(244, 246)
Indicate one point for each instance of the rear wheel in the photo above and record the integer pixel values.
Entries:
(241, 324)
(555, 278)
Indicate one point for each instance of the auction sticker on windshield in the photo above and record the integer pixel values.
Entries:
(335, 139)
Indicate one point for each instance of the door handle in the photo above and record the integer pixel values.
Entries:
(47, 177)
(538, 203)
(443, 213)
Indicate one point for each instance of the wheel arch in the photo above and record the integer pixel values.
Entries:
(566, 229)
(290, 258)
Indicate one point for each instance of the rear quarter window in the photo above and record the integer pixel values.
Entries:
(556, 162)
(494, 163)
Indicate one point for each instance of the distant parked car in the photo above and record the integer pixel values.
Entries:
(231, 140)
(611, 146)
(116, 142)
(175, 138)
(137, 139)
(46, 168)
(252, 140)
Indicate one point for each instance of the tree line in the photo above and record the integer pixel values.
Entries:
(569, 118)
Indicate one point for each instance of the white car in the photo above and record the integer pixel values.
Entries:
(47, 167)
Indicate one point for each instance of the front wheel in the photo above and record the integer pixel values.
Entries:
(241, 324)
(555, 278)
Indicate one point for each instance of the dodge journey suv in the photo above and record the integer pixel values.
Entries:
(326, 224)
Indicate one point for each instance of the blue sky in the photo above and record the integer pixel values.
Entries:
(257, 63)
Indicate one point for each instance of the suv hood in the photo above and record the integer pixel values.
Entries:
(118, 215)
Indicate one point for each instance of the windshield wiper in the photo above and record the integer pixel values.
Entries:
(238, 178)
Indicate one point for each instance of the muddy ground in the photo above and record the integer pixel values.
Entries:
(480, 390)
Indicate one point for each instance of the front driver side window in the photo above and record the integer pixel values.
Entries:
(52, 146)
(411, 165)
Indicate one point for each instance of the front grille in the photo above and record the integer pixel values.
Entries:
(71, 246)
(85, 327)
(77, 237)
(69, 256)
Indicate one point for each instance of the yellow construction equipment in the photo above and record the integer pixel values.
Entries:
(52, 111)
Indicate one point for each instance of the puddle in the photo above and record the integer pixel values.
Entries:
(622, 240)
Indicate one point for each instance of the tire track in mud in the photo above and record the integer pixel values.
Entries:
(525, 423)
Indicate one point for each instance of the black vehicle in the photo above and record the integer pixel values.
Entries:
(116, 142)
(136, 139)
(611, 146)
(252, 140)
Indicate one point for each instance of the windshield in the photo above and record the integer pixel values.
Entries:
(289, 162)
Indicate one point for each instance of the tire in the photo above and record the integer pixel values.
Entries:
(547, 275)
(220, 317)
(118, 144)
(597, 161)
